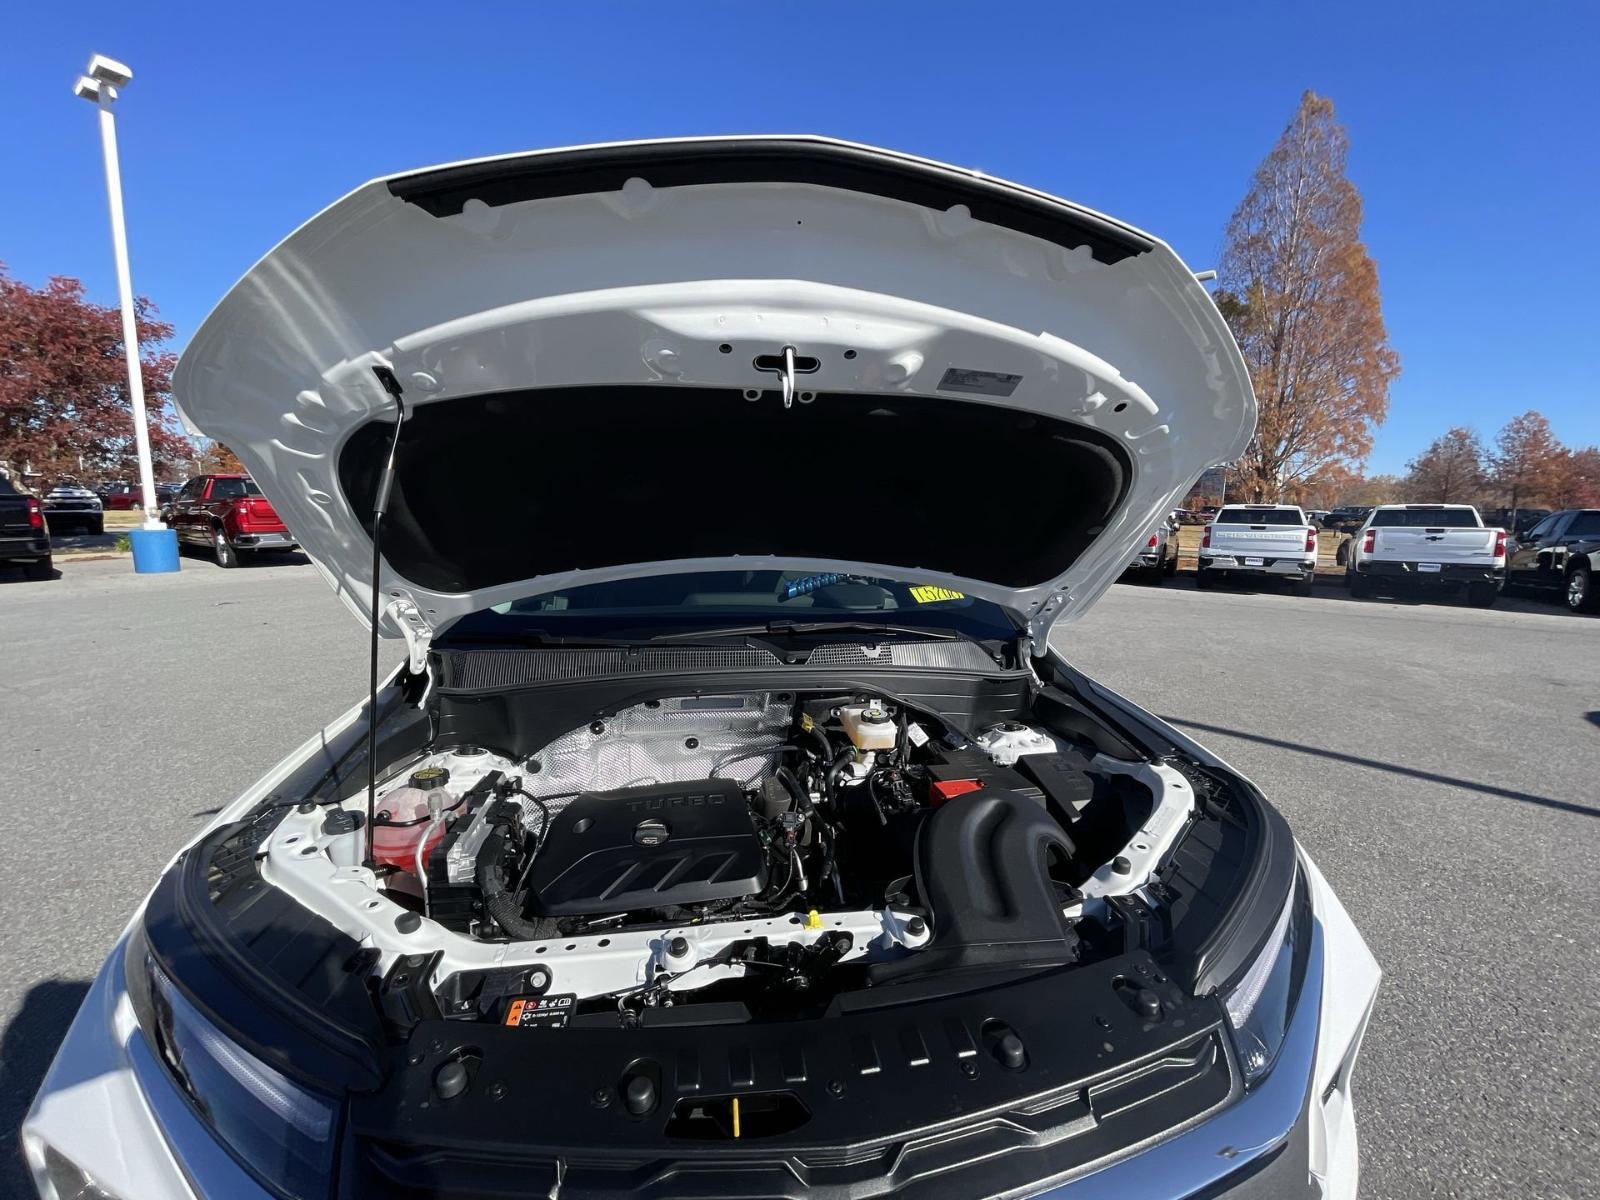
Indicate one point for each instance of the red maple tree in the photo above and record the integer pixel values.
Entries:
(64, 406)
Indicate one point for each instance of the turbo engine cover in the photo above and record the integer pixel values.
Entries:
(667, 845)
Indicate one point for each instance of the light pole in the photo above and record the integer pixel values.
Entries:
(155, 547)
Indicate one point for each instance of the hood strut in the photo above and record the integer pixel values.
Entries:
(391, 385)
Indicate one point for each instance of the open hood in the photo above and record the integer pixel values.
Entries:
(718, 354)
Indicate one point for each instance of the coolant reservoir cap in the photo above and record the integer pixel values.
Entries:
(429, 778)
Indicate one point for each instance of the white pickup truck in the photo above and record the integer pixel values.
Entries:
(1443, 547)
(1259, 539)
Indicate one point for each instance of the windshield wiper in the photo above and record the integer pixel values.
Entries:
(783, 626)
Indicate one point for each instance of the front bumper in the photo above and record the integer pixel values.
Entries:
(264, 541)
(108, 1106)
(1287, 568)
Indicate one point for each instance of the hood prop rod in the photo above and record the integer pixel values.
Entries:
(380, 504)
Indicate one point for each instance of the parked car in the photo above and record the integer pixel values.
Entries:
(1317, 515)
(1261, 541)
(516, 968)
(1560, 557)
(1428, 547)
(1346, 518)
(229, 515)
(70, 505)
(24, 535)
(1515, 521)
(121, 496)
(1190, 516)
(1157, 557)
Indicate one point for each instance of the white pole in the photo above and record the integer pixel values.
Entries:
(130, 331)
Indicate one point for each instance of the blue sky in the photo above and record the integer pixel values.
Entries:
(1473, 130)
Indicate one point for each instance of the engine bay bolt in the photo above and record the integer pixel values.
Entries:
(451, 1079)
(835, 1088)
(497, 1091)
(678, 947)
(969, 1068)
(601, 1097)
(1102, 1022)
(597, 728)
(1121, 865)
(1148, 1004)
(691, 743)
(916, 927)
(306, 806)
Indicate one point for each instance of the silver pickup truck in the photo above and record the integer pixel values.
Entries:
(1437, 547)
(1259, 540)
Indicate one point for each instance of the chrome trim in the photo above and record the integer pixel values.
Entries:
(1256, 1125)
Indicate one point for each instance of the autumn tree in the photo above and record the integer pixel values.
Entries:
(1576, 479)
(64, 406)
(217, 459)
(1450, 470)
(1300, 293)
(1527, 461)
(1372, 489)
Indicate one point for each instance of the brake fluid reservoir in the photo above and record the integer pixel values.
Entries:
(868, 726)
(402, 820)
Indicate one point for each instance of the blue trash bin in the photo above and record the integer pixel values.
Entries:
(154, 550)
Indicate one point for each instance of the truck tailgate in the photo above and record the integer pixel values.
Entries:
(1272, 541)
(1441, 545)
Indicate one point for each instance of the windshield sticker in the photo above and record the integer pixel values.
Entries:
(927, 593)
(983, 383)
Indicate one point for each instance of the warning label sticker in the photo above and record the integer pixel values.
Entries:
(927, 593)
(983, 383)
(548, 1012)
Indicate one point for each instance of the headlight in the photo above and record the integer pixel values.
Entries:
(1261, 1001)
(279, 1131)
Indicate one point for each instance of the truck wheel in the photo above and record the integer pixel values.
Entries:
(40, 569)
(1483, 595)
(1302, 587)
(227, 556)
(1360, 585)
(1342, 555)
(1170, 567)
(1581, 593)
(96, 526)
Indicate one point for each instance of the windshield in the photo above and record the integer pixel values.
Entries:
(1260, 516)
(1434, 516)
(662, 604)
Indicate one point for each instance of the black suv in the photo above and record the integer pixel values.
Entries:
(1560, 556)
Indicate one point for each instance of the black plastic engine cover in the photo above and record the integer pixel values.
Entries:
(663, 846)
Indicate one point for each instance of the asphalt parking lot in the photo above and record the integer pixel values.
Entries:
(1441, 764)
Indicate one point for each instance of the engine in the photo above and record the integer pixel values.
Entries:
(766, 847)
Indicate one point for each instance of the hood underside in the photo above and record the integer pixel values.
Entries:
(994, 391)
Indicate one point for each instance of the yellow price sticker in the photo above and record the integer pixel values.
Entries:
(927, 593)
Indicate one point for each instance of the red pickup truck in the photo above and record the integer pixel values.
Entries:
(229, 514)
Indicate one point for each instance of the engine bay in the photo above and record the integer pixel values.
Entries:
(723, 857)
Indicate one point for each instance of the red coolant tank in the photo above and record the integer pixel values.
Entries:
(403, 819)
